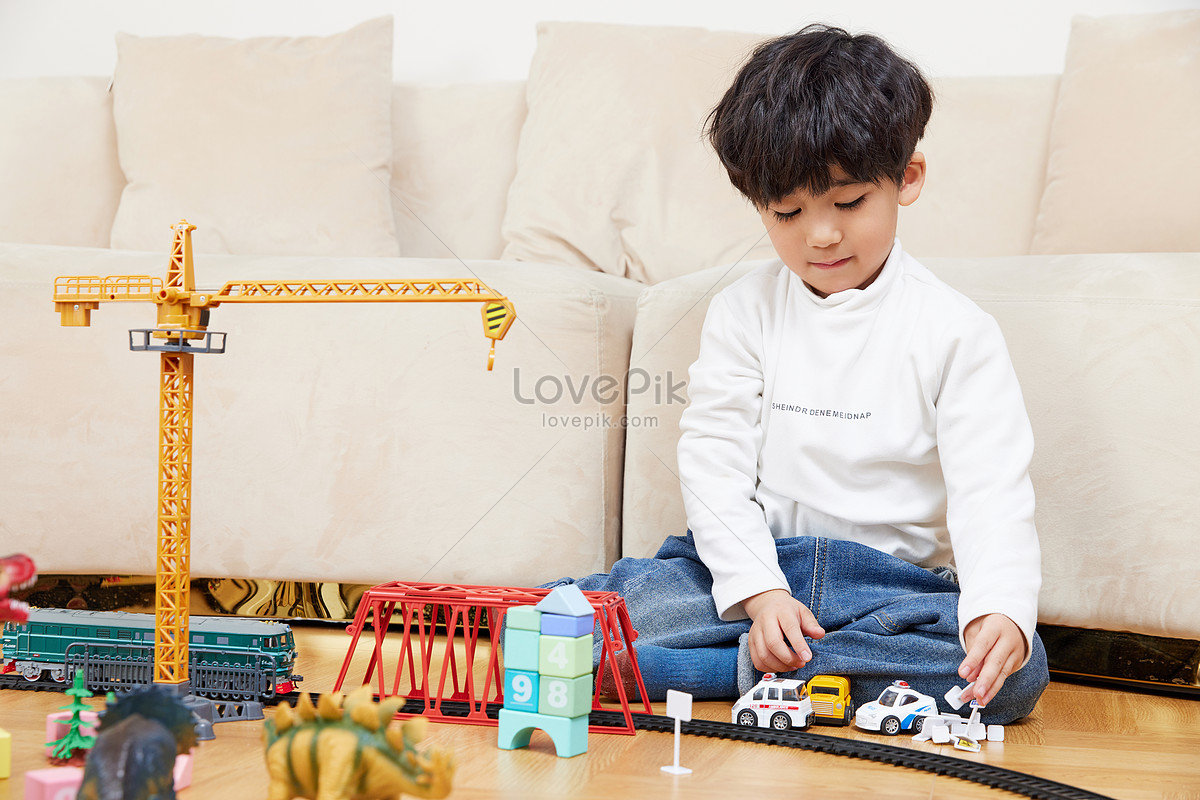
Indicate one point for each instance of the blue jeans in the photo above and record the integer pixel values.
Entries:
(884, 619)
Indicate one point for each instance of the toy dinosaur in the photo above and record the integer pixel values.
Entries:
(136, 743)
(338, 751)
(16, 572)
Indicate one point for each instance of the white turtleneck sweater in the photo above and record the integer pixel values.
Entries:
(890, 416)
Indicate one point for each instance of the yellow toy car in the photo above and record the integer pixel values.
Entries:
(831, 701)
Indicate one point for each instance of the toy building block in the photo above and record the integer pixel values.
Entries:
(995, 733)
(521, 689)
(565, 697)
(566, 601)
(5, 754)
(59, 722)
(565, 656)
(561, 625)
(182, 773)
(525, 618)
(53, 783)
(521, 649)
(569, 734)
(954, 696)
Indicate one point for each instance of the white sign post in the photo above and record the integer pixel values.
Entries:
(679, 706)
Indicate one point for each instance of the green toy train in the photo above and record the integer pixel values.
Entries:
(229, 658)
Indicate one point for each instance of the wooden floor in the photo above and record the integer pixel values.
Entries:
(1124, 745)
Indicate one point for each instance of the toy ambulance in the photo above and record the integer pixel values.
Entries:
(899, 707)
(778, 703)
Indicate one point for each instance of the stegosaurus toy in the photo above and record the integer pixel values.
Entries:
(342, 750)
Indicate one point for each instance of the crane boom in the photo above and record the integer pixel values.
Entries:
(183, 315)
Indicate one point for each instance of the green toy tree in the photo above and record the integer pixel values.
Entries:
(74, 741)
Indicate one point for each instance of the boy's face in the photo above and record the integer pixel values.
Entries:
(840, 240)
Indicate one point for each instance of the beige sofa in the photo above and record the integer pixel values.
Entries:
(368, 443)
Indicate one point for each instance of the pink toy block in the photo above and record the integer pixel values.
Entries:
(183, 771)
(53, 783)
(58, 723)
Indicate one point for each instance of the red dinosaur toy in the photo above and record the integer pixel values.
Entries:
(16, 572)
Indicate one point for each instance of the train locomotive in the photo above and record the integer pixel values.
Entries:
(229, 658)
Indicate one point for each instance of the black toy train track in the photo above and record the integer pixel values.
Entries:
(986, 774)
(45, 684)
(995, 777)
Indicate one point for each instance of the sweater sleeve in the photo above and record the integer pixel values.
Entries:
(721, 432)
(985, 444)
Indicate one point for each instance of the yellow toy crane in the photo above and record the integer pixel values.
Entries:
(182, 331)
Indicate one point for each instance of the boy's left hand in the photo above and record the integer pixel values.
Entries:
(995, 649)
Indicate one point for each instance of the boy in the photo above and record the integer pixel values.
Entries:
(854, 428)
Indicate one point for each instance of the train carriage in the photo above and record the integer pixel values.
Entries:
(229, 658)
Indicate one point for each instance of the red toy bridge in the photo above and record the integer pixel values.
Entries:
(464, 612)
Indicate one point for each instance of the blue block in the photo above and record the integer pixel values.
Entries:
(567, 600)
(527, 618)
(569, 734)
(559, 625)
(521, 690)
(521, 649)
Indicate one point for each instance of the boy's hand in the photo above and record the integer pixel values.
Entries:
(995, 649)
(777, 636)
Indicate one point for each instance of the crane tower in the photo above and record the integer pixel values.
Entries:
(180, 333)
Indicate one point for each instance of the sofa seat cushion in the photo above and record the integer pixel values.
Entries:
(1105, 348)
(358, 442)
(272, 145)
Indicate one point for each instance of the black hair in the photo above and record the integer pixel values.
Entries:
(814, 100)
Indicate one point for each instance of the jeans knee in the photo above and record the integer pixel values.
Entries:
(1022, 689)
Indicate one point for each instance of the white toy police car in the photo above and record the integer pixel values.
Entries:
(778, 703)
(899, 708)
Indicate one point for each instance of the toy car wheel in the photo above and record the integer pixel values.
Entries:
(917, 725)
(890, 726)
(31, 673)
(781, 721)
(747, 718)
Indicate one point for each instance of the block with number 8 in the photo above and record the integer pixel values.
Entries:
(565, 656)
(565, 697)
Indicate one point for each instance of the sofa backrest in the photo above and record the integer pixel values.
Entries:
(455, 156)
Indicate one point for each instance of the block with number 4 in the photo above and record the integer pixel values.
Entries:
(565, 656)
(565, 697)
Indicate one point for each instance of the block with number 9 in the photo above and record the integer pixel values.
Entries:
(520, 690)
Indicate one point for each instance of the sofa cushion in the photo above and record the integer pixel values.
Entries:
(454, 156)
(362, 443)
(270, 145)
(1124, 163)
(613, 172)
(58, 161)
(986, 149)
(1104, 346)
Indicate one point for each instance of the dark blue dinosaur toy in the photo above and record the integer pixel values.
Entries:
(140, 734)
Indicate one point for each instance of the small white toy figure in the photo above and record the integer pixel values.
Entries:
(679, 706)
